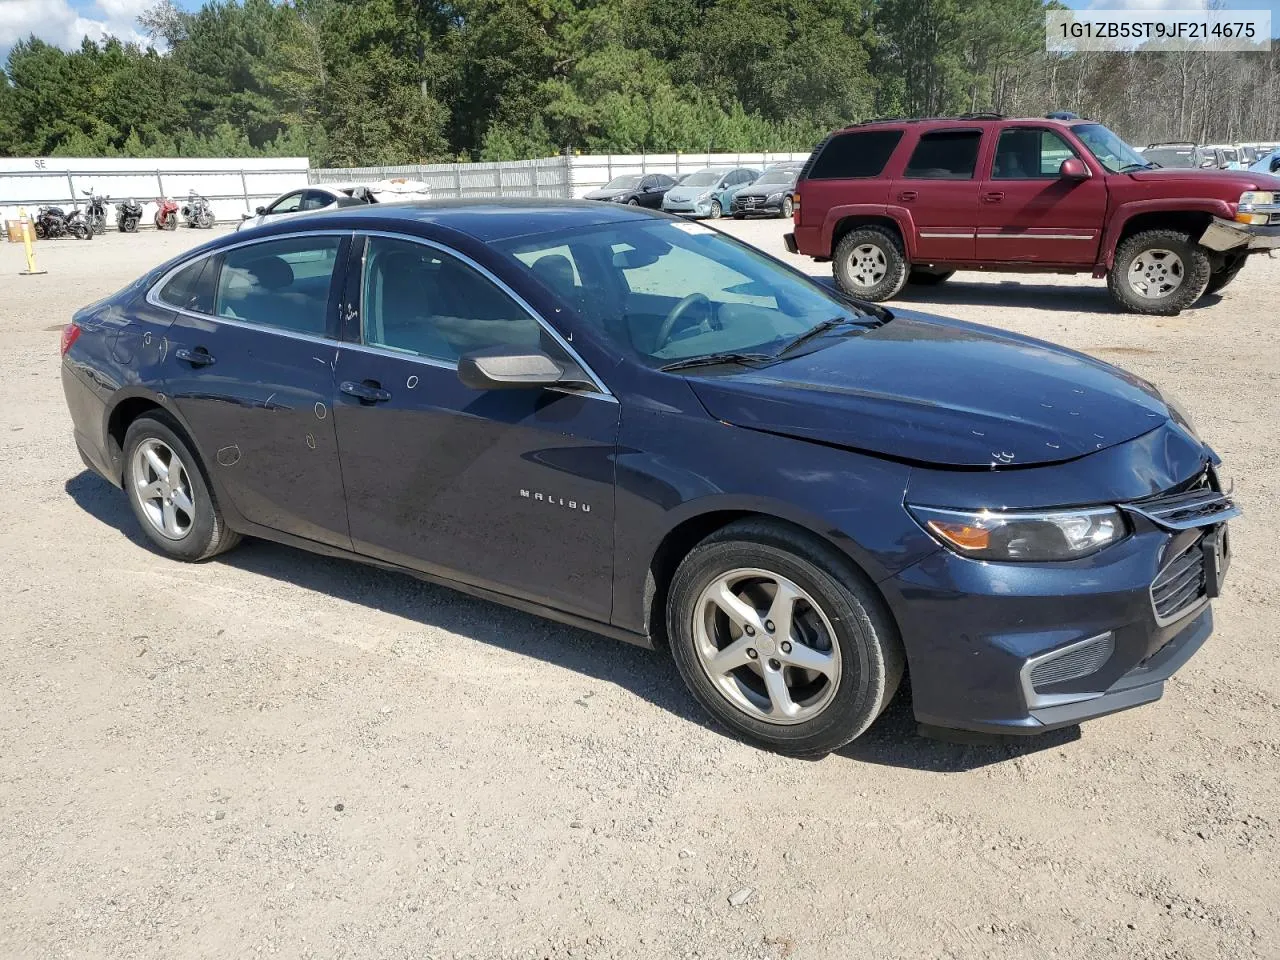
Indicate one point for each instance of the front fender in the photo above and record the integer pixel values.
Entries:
(1133, 208)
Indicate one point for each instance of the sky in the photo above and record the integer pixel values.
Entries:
(67, 22)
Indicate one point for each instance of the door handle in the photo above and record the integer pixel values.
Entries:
(199, 357)
(908, 195)
(995, 196)
(367, 391)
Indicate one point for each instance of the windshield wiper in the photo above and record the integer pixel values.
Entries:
(711, 359)
(819, 329)
(1130, 167)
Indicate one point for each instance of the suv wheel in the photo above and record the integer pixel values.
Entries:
(869, 263)
(1159, 272)
(781, 640)
(168, 492)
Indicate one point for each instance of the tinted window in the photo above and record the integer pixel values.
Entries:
(287, 204)
(947, 155)
(862, 153)
(315, 200)
(421, 300)
(663, 181)
(1029, 155)
(280, 283)
(191, 288)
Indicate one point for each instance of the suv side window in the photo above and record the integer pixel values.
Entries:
(1029, 154)
(191, 288)
(418, 299)
(282, 284)
(945, 155)
(862, 153)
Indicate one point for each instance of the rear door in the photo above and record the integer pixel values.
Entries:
(510, 490)
(939, 189)
(1028, 212)
(249, 365)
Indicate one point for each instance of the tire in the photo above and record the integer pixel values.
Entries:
(171, 222)
(1168, 263)
(788, 208)
(929, 278)
(838, 613)
(197, 533)
(1220, 278)
(99, 225)
(131, 225)
(869, 263)
(716, 210)
(40, 231)
(633, 202)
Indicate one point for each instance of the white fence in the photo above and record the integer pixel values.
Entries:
(231, 186)
(547, 177)
(590, 172)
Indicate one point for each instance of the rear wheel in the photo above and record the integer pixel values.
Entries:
(171, 221)
(1220, 278)
(781, 640)
(168, 492)
(929, 278)
(1159, 272)
(869, 263)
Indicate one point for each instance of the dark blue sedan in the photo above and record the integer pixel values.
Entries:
(639, 426)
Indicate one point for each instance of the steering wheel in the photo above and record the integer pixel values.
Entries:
(678, 311)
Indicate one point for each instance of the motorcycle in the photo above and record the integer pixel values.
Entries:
(166, 214)
(53, 222)
(96, 213)
(197, 212)
(127, 216)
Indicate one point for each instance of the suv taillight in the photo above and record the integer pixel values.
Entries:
(69, 335)
(795, 208)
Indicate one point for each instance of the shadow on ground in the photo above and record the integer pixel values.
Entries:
(891, 741)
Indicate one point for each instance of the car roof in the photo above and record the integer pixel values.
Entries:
(964, 120)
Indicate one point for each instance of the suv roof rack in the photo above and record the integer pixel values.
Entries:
(975, 116)
(1171, 143)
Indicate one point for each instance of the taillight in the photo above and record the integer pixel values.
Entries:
(795, 208)
(70, 333)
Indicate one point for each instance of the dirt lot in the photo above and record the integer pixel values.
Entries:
(279, 754)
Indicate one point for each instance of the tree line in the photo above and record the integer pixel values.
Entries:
(356, 82)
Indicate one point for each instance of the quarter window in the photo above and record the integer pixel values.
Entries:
(862, 153)
(421, 300)
(1024, 154)
(191, 287)
(283, 284)
(945, 155)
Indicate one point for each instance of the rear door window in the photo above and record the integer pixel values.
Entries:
(282, 284)
(945, 155)
(860, 153)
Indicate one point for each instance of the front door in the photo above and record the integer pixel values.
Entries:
(511, 490)
(939, 191)
(1031, 214)
(249, 365)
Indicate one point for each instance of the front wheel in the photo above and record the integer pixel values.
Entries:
(99, 224)
(171, 221)
(781, 639)
(788, 207)
(869, 263)
(716, 210)
(131, 225)
(41, 233)
(1159, 272)
(168, 492)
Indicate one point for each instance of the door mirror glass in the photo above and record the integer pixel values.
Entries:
(1073, 168)
(504, 368)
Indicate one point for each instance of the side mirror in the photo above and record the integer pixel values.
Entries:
(508, 368)
(1208, 162)
(261, 211)
(1073, 168)
(1275, 164)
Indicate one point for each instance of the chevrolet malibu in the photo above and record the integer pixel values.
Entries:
(634, 424)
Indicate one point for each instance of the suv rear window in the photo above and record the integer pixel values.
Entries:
(946, 155)
(859, 154)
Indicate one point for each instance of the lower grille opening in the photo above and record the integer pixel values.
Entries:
(1180, 586)
(1076, 661)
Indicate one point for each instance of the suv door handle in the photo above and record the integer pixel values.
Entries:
(367, 391)
(995, 196)
(908, 195)
(199, 357)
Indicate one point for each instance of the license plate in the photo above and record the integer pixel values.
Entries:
(1217, 558)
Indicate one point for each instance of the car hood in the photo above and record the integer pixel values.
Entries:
(1235, 182)
(687, 193)
(942, 392)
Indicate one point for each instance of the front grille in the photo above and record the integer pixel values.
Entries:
(1075, 662)
(1180, 586)
(1195, 503)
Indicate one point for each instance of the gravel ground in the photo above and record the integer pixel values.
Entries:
(277, 753)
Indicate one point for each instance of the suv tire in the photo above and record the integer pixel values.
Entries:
(869, 263)
(837, 621)
(1159, 272)
(167, 489)
(929, 278)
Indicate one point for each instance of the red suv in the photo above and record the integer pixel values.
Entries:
(892, 202)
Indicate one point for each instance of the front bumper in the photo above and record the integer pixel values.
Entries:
(688, 208)
(1026, 648)
(1229, 236)
(761, 208)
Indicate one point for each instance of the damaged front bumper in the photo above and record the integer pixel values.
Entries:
(1227, 236)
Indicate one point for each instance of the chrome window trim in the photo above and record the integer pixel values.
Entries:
(601, 392)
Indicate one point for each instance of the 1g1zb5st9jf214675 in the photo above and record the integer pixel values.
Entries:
(637, 425)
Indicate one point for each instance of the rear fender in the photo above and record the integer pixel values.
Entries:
(899, 216)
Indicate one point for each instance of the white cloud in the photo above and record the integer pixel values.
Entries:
(57, 22)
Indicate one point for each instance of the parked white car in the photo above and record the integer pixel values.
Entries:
(322, 196)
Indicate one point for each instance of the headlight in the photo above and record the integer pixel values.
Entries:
(1026, 537)
(774, 198)
(1250, 200)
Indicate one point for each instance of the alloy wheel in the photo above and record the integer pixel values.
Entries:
(1156, 273)
(868, 265)
(766, 645)
(163, 486)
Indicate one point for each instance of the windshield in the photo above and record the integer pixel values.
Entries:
(777, 176)
(622, 183)
(703, 178)
(1167, 157)
(1108, 149)
(663, 291)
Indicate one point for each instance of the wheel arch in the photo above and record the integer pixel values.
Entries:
(1193, 216)
(846, 219)
(126, 407)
